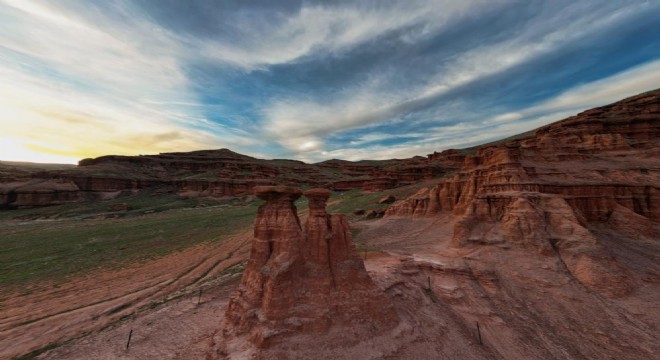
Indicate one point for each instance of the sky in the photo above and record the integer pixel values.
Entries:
(309, 80)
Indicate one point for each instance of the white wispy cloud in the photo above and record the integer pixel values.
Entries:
(597, 93)
(627, 83)
(73, 88)
(297, 122)
(80, 81)
(331, 29)
(613, 88)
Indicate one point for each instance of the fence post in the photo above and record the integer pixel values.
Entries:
(128, 343)
(479, 333)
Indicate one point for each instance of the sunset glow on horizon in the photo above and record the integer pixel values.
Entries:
(308, 80)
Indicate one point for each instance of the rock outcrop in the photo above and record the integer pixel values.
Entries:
(388, 199)
(548, 225)
(542, 191)
(36, 192)
(206, 173)
(596, 161)
(302, 279)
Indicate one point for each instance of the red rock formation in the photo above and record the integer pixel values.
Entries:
(212, 173)
(218, 189)
(630, 223)
(559, 160)
(302, 280)
(38, 193)
(547, 224)
(387, 199)
(380, 184)
(374, 214)
(543, 191)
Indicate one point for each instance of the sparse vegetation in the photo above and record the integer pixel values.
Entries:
(53, 250)
(348, 201)
(361, 248)
(71, 239)
(137, 203)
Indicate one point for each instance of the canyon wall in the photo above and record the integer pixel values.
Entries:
(543, 191)
(207, 173)
(595, 161)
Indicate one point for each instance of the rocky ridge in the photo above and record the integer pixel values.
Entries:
(207, 173)
(544, 191)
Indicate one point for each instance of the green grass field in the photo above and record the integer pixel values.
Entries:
(52, 250)
(138, 205)
(74, 239)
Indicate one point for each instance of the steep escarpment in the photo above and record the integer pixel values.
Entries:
(596, 160)
(543, 191)
(207, 173)
(302, 279)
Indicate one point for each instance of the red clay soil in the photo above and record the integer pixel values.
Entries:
(527, 305)
(83, 304)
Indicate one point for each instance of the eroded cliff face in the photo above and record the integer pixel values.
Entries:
(542, 192)
(206, 173)
(36, 192)
(302, 279)
(548, 225)
(595, 161)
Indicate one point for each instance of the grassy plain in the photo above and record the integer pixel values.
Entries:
(53, 243)
(52, 250)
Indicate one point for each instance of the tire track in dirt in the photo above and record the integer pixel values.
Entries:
(112, 299)
(28, 330)
(58, 326)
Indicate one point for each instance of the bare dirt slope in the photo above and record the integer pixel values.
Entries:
(527, 305)
(49, 315)
(181, 329)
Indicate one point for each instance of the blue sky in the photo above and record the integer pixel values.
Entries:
(309, 80)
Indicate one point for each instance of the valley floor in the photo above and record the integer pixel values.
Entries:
(47, 315)
(522, 305)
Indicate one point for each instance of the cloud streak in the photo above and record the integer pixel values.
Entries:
(308, 79)
(379, 100)
(322, 30)
(602, 92)
(72, 89)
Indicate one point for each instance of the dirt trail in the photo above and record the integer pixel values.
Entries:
(83, 304)
(180, 329)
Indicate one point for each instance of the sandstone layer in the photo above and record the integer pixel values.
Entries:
(206, 173)
(543, 191)
(302, 279)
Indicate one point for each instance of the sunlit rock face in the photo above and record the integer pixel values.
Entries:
(544, 191)
(302, 279)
